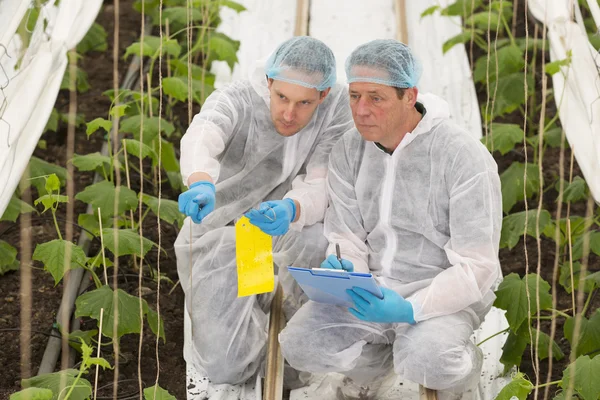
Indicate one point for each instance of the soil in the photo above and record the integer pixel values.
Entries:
(46, 296)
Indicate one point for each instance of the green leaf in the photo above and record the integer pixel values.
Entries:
(513, 181)
(544, 346)
(565, 278)
(152, 46)
(510, 95)
(8, 258)
(52, 124)
(175, 87)
(157, 393)
(225, 48)
(554, 66)
(169, 209)
(461, 8)
(89, 305)
(104, 194)
(514, 347)
(98, 123)
(53, 255)
(135, 147)
(594, 244)
(94, 40)
(513, 226)
(553, 138)
(576, 190)
(462, 37)
(483, 20)
(503, 137)
(158, 328)
(16, 207)
(430, 11)
(89, 222)
(586, 371)
(133, 124)
(129, 242)
(178, 15)
(40, 169)
(42, 144)
(77, 336)
(54, 382)
(32, 394)
(119, 110)
(49, 200)
(168, 157)
(518, 388)
(510, 60)
(91, 162)
(233, 5)
(595, 277)
(589, 334)
(81, 80)
(180, 68)
(52, 183)
(512, 297)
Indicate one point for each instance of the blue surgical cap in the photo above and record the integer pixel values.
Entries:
(304, 61)
(387, 62)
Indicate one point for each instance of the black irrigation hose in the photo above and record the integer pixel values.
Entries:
(40, 332)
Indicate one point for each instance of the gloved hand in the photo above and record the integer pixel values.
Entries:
(198, 201)
(392, 308)
(273, 217)
(332, 262)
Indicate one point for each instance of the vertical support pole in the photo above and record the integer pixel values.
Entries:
(427, 394)
(274, 373)
(401, 25)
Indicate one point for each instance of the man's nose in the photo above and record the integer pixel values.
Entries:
(288, 113)
(362, 108)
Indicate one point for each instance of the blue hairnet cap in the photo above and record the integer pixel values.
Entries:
(304, 61)
(387, 62)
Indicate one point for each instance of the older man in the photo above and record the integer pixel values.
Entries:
(416, 201)
(264, 140)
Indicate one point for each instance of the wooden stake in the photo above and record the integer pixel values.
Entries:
(274, 374)
(427, 394)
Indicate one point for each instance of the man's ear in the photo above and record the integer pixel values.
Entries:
(411, 96)
(324, 94)
(269, 82)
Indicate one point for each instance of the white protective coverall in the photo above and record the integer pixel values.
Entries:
(234, 140)
(425, 220)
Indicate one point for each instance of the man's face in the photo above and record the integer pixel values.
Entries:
(379, 115)
(292, 106)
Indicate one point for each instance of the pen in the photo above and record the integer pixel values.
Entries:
(337, 251)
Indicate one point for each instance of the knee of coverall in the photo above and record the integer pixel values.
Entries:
(432, 363)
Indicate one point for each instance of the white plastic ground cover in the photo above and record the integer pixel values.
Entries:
(577, 86)
(446, 75)
(260, 29)
(30, 91)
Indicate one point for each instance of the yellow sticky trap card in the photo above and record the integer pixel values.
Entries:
(254, 255)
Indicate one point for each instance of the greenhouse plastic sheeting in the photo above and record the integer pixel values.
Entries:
(576, 86)
(446, 75)
(260, 29)
(29, 91)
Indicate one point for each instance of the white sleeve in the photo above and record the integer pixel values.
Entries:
(208, 133)
(310, 189)
(343, 220)
(475, 210)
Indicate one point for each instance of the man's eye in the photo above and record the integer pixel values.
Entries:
(354, 96)
(376, 99)
(305, 102)
(282, 97)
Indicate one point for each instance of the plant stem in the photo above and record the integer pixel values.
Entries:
(56, 223)
(562, 314)
(493, 336)
(549, 384)
(587, 302)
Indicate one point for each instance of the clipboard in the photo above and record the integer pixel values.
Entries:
(329, 285)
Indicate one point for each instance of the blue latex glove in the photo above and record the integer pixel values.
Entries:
(392, 308)
(273, 217)
(198, 201)
(332, 262)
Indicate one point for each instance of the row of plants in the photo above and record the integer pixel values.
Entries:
(511, 117)
(146, 152)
